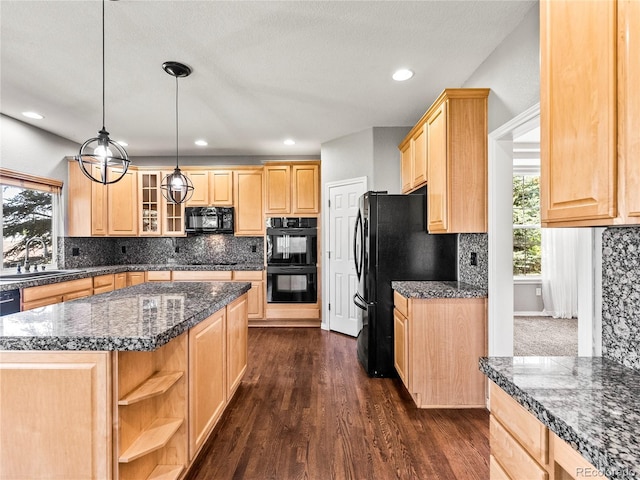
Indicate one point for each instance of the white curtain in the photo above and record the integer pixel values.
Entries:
(560, 272)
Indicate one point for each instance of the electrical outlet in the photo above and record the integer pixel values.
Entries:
(123, 249)
(75, 251)
(538, 292)
(474, 259)
(177, 249)
(254, 248)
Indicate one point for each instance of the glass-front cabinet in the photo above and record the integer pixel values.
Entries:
(157, 216)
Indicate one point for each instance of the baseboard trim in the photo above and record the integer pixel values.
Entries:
(531, 314)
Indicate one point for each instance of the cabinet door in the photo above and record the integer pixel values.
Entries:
(438, 191)
(134, 278)
(237, 332)
(277, 189)
(78, 202)
(419, 157)
(207, 393)
(149, 208)
(401, 347)
(122, 205)
(99, 209)
(56, 415)
(221, 188)
(578, 111)
(629, 109)
(406, 166)
(200, 179)
(306, 189)
(119, 280)
(248, 197)
(172, 217)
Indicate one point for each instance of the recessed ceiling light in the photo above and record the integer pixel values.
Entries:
(289, 141)
(34, 115)
(201, 143)
(122, 142)
(402, 75)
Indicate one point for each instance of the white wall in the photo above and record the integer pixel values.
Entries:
(28, 149)
(512, 72)
(386, 158)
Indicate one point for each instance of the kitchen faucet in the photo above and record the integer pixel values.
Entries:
(26, 253)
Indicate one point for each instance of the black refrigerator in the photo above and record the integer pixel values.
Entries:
(391, 243)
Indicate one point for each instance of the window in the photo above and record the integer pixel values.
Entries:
(526, 225)
(30, 210)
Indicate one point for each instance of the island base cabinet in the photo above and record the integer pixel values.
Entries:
(72, 443)
(150, 397)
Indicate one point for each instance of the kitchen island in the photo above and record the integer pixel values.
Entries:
(126, 384)
(563, 418)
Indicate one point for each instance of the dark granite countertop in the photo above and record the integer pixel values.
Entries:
(142, 317)
(591, 403)
(436, 289)
(75, 274)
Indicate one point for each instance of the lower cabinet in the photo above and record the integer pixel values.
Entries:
(135, 278)
(207, 378)
(437, 344)
(34, 297)
(523, 448)
(125, 415)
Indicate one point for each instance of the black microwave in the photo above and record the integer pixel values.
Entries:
(208, 219)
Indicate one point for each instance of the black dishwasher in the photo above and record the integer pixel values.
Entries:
(9, 302)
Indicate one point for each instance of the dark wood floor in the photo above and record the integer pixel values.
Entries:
(307, 410)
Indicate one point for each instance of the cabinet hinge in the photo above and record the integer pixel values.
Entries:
(329, 255)
(329, 202)
(329, 307)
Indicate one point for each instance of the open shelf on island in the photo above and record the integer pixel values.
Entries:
(166, 472)
(153, 438)
(155, 385)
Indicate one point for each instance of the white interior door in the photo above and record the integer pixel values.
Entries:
(343, 283)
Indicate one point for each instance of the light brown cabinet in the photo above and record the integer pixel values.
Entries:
(248, 202)
(135, 278)
(437, 343)
(447, 149)
(207, 378)
(236, 349)
(292, 189)
(255, 296)
(34, 297)
(522, 447)
(590, 112)
(99, 210)
(200, 180)
(414, 159)
(103, 283)
(212, 187)
(156, 215)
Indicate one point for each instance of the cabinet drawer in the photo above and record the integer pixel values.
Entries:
(186, 276)
(79, 294)
(101, 281)
(248, 275)
(42, 302)
(163, 276)
(401, 303)
(527, 429)
(495, 470)
(568, 459)
(55, 289)
(514, 459)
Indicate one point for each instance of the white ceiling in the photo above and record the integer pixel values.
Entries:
(263, 71)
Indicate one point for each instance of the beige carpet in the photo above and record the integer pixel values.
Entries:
(545, 336)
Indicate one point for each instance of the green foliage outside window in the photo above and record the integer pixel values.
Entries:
(26, 213)
(527, 249)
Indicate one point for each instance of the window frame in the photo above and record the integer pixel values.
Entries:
(524, 171)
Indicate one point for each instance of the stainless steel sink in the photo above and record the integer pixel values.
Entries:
(30, 275)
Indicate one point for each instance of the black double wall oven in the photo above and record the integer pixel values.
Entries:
(292, 252)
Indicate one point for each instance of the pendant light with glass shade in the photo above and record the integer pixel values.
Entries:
(177, 187)
(99, 153)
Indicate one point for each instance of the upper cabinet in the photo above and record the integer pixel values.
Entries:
(211, 187)
(414, 159)
(590, 112)
(99, 210)
(248, 200)
(447, 151)
(292, 189)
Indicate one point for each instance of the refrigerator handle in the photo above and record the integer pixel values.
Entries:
(358, 261)
(360, 302)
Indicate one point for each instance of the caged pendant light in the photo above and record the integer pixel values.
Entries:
(177, 187)
(99, 153)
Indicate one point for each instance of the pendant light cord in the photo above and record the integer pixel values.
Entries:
(176, 121)
(103, 76)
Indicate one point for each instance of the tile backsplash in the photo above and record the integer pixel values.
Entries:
(621, 295)
(469, 243)
(79, 252)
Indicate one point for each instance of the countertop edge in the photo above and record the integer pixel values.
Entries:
(582, 444)
(434, 289)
